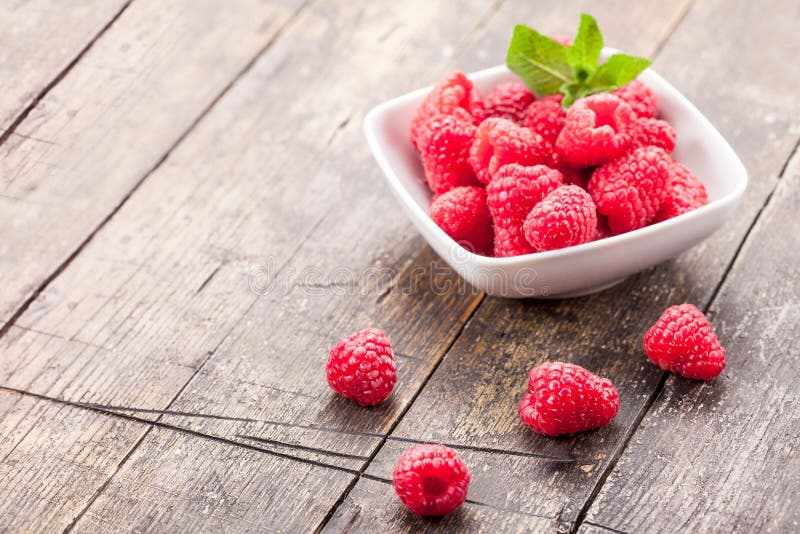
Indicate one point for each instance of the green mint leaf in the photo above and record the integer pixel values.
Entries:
(574, 91)
(540, 61)
(570, 92)
(617, 71)
(584, 53)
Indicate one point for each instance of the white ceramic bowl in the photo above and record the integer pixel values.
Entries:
(582, 269)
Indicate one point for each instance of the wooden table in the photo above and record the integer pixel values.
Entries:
(190, 218)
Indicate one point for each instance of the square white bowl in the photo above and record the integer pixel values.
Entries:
(582, 269)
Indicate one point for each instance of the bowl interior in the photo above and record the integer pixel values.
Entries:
(699, 146)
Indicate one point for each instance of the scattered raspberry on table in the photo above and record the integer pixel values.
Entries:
(361, 367)
(564, 398)
(431, 480)
(682, 341)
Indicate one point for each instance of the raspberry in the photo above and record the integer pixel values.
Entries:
(566, 217)
(431, 480)
(639, 97)
(564, 398)
(546, 117)
(509, 101)
(573, 176)
(596, 129)
(682, 341)
(463, 215)
(509, 240)
(511, 196)
(684, 193)
(655, 132)
(517, 189)
(444, 143)
(499, 142)
(565, 40)
(454, 91)
(602, 230)
(361, 367)
(630, 188)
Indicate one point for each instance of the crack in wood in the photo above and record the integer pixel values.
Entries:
(303, 447)
(11, 130)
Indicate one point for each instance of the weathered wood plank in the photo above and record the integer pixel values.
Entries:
(219, 487)
(328, 294)
(184, 483)
(40, 40)
(156, 291)
(45, 448)
(725, 455)
(114, 116)
(471, 398)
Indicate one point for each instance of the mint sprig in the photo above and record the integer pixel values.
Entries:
(548, 67)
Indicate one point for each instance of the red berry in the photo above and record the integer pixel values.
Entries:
(596, 129)
(516, 189)
(454, 91)
(445, 144)
(630, 188)
(499, 142)
(573, 176)
(361, 367)
(564, 398)
(463, 215)
(682, 341)
(655, 132)
(639, 97)
(509, 240)
(684, 193)
(509, 101)
(546, 117)
(565, 218)
(602, 230)
(431, 480)
(512, 194)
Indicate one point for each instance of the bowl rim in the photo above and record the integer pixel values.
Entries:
(370, 126)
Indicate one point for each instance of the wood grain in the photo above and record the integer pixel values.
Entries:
(114, 117)
(156, 291)
(725, 454)
(206, 305)
(184, 483)
(51, 460)
(505, 338)
(41, 38)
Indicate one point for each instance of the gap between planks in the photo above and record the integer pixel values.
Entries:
(795, 152)
(225, 90)
(8, 132)
(670, 28)
(357, 473)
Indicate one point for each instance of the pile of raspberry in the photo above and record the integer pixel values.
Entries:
(515, 174)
